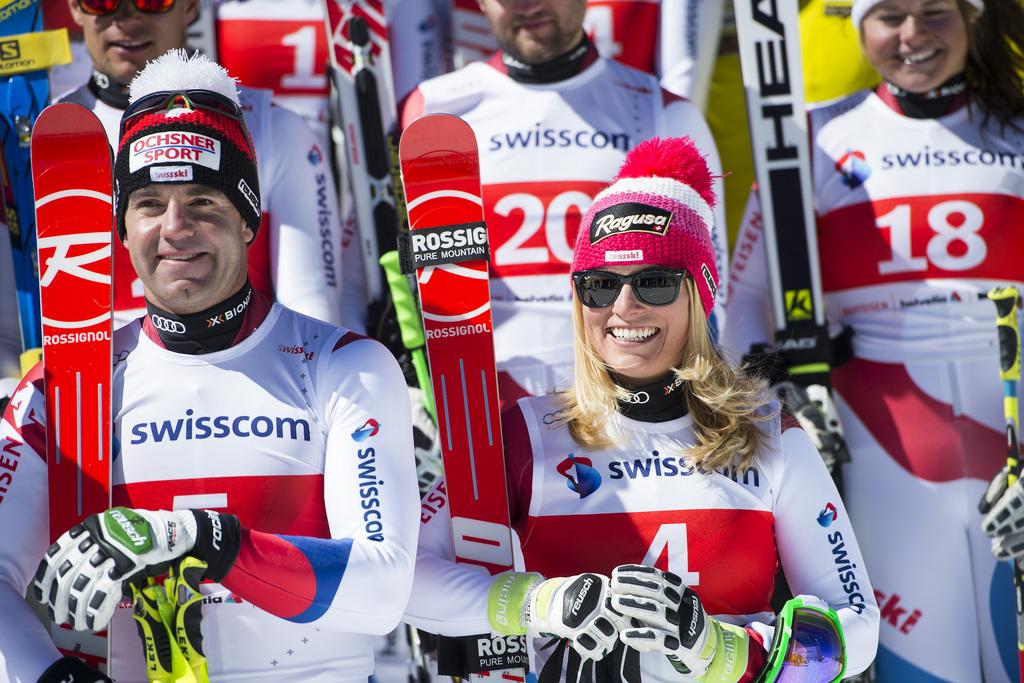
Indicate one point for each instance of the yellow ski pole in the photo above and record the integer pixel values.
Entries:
(1007, 300)
(164, 661)
(182, 586)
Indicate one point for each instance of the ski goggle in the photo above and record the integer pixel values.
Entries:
(808, 647)
(165, 100)
(652, 286)
(99, 8)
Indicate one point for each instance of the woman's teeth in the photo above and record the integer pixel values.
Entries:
(633, 334)
(918, 57)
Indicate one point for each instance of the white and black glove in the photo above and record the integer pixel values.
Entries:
(572, 607)
(1003, 508)
(668, 617)
(82, 576)
(72, 670)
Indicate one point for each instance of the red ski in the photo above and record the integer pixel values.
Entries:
(447, 248)
(71, 171)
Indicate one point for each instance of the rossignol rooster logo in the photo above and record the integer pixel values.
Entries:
(580, 475)
(85, 257)
(828, 515)
(369, 428)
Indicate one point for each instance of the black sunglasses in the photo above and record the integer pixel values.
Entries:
(652, 286)
(99, 8)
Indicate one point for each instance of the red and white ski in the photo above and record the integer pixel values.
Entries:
(71, 175)
(447, 248)
(361, 73)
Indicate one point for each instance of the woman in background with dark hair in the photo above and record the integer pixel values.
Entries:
(918, 188)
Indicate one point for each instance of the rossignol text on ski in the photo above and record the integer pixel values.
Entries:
(74, 213)
(447, 249)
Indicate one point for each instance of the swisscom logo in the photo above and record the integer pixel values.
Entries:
(828, 515)
(369, 428)
(315, 156)
(193, 427)
(580, 476)
(854, 168)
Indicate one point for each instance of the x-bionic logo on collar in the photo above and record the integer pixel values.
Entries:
(231, 313)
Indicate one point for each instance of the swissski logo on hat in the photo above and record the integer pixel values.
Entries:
(629, 217)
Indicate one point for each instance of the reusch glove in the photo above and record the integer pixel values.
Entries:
(672, 620)
(1003, 507)
(568, 607)
(82, 576)
(72, 670)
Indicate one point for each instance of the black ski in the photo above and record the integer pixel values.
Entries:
(768, 34)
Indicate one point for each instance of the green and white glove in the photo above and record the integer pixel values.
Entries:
(572, 607)
(669, 618)
(82, 576)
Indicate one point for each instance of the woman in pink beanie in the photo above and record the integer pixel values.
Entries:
(655, 500)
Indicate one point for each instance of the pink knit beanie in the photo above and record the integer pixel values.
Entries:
(656, 212)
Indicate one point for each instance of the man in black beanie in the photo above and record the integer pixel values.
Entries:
(273, 447)
(296, 257)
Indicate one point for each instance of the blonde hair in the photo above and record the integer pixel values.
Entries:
(725, 404)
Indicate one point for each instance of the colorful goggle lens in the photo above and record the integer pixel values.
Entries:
(101, 8)
(815, 653)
